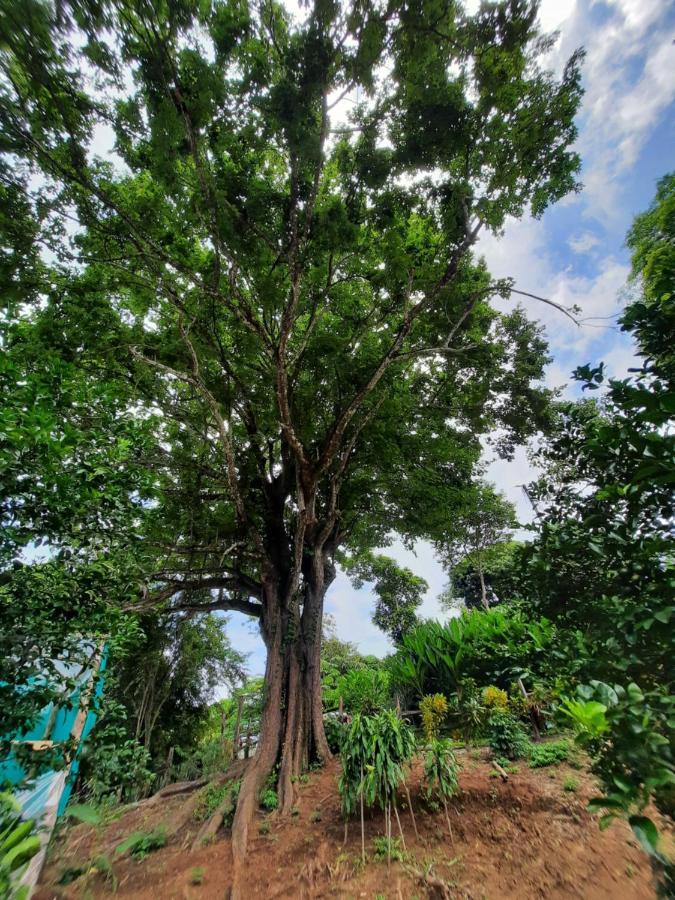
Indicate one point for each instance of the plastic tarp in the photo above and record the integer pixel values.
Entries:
(46, 797)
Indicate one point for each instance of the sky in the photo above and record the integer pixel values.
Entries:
(575, 254)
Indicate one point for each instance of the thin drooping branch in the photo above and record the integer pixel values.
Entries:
(552, 303)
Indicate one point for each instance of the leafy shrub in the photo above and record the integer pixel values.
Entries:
(141, 843)
(440, 771)
(269, 799)
(365, 691)
(630, 735)
(495, 698)
(18, 845)
(549, 754)
(507, 736)
(570, 784)
(373, 755)
(114, 765)
(491, 647)
(208, 759)
(434, 708)
(384, 849)
(466, 711)
(335, 732)
(210, 798)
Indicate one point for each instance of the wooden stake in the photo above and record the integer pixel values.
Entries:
(410, 807)
(400, 829)
(447, 819)
(387, 825)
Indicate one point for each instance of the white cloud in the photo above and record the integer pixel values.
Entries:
(628, 79)
(523, 253)
(584, 242)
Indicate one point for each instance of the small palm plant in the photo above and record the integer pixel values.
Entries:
(440, 775)
(374, 754)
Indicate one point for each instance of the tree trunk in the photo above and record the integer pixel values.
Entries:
(483, 590)
(292, 731)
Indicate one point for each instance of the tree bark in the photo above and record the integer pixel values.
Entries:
(292, 732)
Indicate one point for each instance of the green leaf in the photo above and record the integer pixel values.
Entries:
(646, 833)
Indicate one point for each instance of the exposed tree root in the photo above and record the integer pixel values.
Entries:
(211, 826)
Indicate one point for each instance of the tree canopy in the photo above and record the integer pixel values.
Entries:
(280, 294)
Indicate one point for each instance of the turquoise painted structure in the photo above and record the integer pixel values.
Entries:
(57, 725)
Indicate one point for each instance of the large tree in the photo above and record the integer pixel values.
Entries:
(275, 262)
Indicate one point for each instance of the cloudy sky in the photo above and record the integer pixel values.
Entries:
(575, 254)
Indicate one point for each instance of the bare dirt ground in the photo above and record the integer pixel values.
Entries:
(528, 838)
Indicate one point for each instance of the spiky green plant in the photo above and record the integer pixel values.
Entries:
(440, 775)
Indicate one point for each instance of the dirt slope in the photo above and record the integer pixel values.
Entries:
(527, 838)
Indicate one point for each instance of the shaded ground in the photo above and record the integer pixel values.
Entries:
(528, 838)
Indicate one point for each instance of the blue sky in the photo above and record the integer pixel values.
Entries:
(576, 253)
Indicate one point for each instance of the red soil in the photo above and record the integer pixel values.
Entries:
(527, 838)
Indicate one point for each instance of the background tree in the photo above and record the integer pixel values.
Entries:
(168, 680)
(294, 300)
(399, 591)
(487, 523)
(500, 565)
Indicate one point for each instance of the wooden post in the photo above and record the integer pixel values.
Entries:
(533, 716)
(237, 728)
(341, 709)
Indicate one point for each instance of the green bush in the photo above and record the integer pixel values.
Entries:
(506, 736)
(113, 765)
(210, 798)
(383, 850)
(434, 708)
(630, 736)
(374, 753)
(365, 691)
(269, 799)
(549, 754)
(335, 732)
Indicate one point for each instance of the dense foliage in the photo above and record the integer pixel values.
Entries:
(492, 648)
(602, 565)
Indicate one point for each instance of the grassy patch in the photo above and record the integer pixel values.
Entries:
(210, 798)
(381, 852)
(141, 843)
(550, 754)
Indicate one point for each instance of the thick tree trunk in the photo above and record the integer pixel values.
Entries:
(292, 731)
